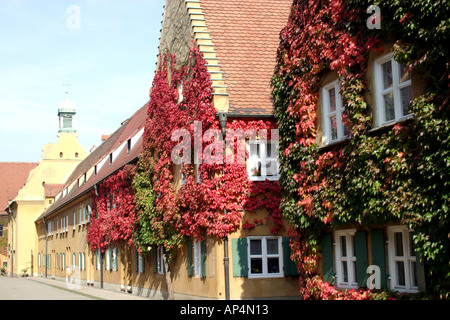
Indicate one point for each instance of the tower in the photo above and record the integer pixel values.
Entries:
(66, 113)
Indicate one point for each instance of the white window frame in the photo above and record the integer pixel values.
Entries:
(395, 88)
(264, 159)
(407, 259)
(197, 255)
(114, 259)
(337, 113)
(265, 256)
(349, 259)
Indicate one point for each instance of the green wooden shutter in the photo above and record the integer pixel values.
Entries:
(239, 256)
(290, 268)
(190, 268)
(143, 263)
(155, 259)
(379, 254)
(327, 258)
(136, 260)
(203, 257)
(362, 260)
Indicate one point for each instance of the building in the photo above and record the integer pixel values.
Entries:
(58, 160)
(239, 85)
(360, 109)
(13, 176)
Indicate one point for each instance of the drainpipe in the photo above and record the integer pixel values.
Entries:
(46, 238)
(101, 269)
(101, 253)
(11, 251)
(226, 260)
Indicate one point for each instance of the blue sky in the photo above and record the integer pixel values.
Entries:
(107, 53)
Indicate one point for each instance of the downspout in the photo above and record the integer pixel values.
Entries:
(226, 260)
(11, 251)
(101, 253)
(46, 238)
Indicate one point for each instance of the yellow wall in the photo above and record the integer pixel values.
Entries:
(57, 163)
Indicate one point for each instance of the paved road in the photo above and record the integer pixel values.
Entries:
(28, 289)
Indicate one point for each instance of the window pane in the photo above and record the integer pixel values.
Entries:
(406, 97)
(273, 265)
(255, 247)
(333, 127)
(332, 97)
(256, 265)
(345, 271)
(389, 106)
(343, 246)
(400, 266)
(398, 243)
(387, 74)
(272, 246)
(271, 168)
(404, 74)
(271, 150)
(255, 150)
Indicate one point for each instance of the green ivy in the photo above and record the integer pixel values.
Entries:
(398, 174)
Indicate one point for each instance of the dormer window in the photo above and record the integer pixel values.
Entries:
(128, 146)
(110, 159)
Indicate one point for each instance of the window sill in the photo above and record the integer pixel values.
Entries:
(259, 178)
(265, 276)
(388, 125)
(336, 143)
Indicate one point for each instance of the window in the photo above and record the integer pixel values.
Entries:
(197, 259)
(393, 89)
(87, 213)
(74, 219)
(128, 146)
(264, 257)
(334, 126)
(160, 260)
(262, 162)
(345, 259)
(180, 91)
(402, 259)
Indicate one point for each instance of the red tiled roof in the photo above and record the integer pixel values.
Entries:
(128, 129)
(13, 176)
(246, 38)
(51, 190)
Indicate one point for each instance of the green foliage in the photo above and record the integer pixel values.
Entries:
(396, 174)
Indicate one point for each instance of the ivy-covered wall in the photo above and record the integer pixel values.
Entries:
(396, 175)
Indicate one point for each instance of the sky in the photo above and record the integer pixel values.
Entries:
(103, 52)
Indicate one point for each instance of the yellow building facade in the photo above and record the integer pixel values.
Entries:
(58, 160)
